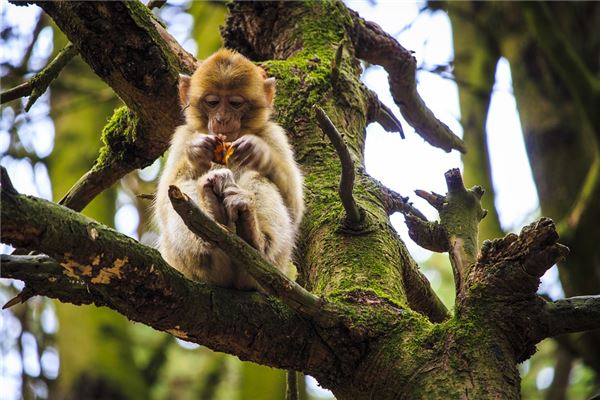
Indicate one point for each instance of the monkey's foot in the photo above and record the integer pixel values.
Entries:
(212, 188)
(239, 206)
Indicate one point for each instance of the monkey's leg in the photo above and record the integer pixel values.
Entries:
(240, 208)
(212, 186)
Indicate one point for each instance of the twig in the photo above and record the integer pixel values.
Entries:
(22, 297)
(24, 89)
(37, 85)
(270, 278)
(353, 213)
(434, 199)
(374, 45)
(395, 202)
(292, 385)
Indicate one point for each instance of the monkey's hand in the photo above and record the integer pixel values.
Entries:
(250, 151)
(200, 151)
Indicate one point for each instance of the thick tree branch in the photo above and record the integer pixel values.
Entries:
(574, 314)
(95, 264)
(501, 286)
(270, 278)
(141, 62)
(354, 215)
(374, 45)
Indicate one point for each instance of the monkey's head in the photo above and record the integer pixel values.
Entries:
(227, 95)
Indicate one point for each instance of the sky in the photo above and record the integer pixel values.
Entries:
(402, 165)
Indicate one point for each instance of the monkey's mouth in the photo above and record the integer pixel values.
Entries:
(225, 130)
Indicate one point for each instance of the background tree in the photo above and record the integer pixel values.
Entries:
(365, 296)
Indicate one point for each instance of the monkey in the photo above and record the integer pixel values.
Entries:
(257, 194)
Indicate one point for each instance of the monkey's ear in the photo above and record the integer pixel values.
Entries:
(184, 89)
(270, 89)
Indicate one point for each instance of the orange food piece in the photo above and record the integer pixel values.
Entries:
(222, 151)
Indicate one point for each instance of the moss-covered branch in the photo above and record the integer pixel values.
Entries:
(457, 232)
(500, 288)
(95, 264)
(37, 85)
(380, 113)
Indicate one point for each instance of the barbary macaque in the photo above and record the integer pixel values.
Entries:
(256, 193)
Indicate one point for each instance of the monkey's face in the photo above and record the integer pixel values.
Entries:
(227, 95)
(224, 113)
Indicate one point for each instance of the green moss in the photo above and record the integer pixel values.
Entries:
(327, 27)
(118, 136)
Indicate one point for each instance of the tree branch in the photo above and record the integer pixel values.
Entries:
(95, 264)
(574, 314)
(37, 85)
(44, 276)
(457, 232)
(272, 280)
(374, 45)
(149, 89)
(501, 286)
(354, 215)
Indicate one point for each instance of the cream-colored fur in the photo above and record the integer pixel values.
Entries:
(273, 192)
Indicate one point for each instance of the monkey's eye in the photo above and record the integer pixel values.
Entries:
(236, 102)
(211, 101)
